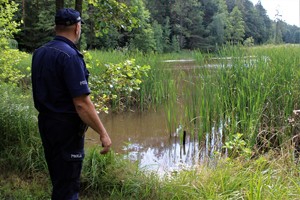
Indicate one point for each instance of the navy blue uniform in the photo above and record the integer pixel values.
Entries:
(58, 75)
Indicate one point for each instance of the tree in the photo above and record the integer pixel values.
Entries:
(237, 24)
(191, 24)
(290, 34)
(167, 35)
(264, 24)
(102, 17)
(9, 57)
(142, 37)
(219, 28)
(8, 26)
(38, 24)
(158, 37)
(249, 17)
(111, 13)
(78, 6)
(187, 19)
(278, 31)
(59, 4)
(297, 37)
(230, 4)
(160, 10)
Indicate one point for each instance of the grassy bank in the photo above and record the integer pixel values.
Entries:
(269, 177)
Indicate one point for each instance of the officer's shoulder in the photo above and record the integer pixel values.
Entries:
(65, 48)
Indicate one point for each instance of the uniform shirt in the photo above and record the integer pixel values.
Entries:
(58, 75)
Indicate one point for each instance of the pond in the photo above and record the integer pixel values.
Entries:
(143, 137)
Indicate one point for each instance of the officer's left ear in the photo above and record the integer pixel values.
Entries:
(77, 28)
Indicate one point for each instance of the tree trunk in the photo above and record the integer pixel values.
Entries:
(78, 6)
(59, 4)
(24, 13)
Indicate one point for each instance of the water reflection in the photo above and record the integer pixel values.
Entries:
(144, 137)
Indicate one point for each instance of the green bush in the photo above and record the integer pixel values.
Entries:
(9, 69)
(118, 84)
(8, 26)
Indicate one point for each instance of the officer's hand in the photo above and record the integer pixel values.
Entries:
(106, 143)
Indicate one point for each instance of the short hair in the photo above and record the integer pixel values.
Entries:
(64, 28)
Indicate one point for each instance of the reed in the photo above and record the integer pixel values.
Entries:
(251, 92)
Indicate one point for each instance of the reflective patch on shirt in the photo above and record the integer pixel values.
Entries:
(83, 82)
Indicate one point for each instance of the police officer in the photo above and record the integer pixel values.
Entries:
(61, 95)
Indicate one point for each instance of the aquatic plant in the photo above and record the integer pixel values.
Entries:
(249, 91)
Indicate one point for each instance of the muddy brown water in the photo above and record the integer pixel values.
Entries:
(144, 137)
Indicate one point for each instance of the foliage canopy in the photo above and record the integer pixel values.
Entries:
(157, 25)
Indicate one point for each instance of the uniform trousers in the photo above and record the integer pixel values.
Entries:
(63, 141)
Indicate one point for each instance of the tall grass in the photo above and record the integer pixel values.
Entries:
(252, 92)
(271, 176)
(260, 91)
(20, 143)
(112, 176)
(264, 178)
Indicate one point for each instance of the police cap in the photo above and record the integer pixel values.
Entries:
(67, 17)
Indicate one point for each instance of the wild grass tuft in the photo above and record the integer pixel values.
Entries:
(20, 146)
(114, 177)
